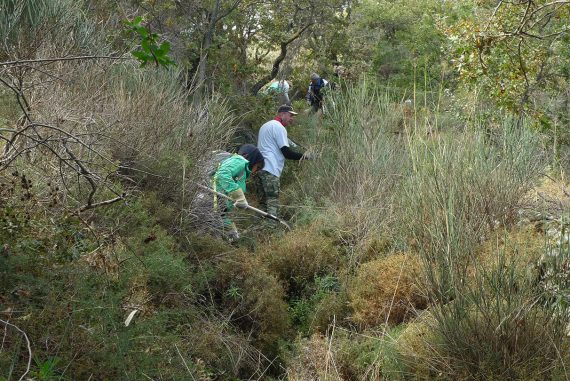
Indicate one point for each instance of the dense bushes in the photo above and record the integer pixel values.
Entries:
(438, 194)
(77, 305)
(254, 299)
(333, 299)
(300, 256)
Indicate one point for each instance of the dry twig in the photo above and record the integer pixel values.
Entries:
(28, 344)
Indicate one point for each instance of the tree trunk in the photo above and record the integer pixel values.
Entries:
(275, 68)
(206, 44)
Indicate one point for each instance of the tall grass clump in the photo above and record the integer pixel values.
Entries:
(366, 160)
(45, 29)
(490, 320)
(461, 187)
(361, 159)
(160, 130)
(501, 326)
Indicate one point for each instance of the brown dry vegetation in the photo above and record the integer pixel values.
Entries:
(522, 246)
(314, 361)
(387, 290)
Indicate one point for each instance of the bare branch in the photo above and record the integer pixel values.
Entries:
(279, 59)
(561, 2)
(18, 94)
(228, 11)
(102, 203)
(73, 137)
(83, 171)
(57, 59)
(29, 347)
(524, 19)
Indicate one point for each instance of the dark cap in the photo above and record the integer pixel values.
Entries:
(286, 108)
(252, 154)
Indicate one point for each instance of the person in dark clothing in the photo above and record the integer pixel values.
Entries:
(315, 93)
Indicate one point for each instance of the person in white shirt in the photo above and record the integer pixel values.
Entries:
(273, 144)
(280, 90)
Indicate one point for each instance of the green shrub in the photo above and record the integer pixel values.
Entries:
(255, 299)
(499, 328)
(414, 347)
(299, 256)
(369, 355)
(322, 303)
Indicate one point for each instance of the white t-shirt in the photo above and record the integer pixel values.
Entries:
(280, 86)
(283, 86)
(272, 136)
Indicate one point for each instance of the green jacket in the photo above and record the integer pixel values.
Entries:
(231, 175)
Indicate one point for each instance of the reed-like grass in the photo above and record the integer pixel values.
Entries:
(460, 187)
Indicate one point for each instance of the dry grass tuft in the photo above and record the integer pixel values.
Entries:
(314, 361)
(386, 290)
(522, 246)
(139, 296)
(550, 197)
(104, 259)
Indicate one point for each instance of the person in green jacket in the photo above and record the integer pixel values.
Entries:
(230, 178)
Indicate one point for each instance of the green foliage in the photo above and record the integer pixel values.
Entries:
(47, 369)
(80, 305)
(512, 52)
(302, 257)
(369, 355)
(407, 45)
(320, 304)
(255, 298)
(390, 176)
(149, 50)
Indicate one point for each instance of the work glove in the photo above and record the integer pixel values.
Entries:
(238, 198)
(308, 156)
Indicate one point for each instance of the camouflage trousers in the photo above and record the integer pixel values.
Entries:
(269, 192)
